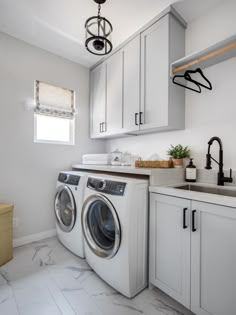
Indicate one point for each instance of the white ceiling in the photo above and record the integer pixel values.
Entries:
(58, 25)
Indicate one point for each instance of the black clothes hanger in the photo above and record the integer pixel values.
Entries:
(198, 70)
(187, 77)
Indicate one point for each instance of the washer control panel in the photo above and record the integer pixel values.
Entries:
(106, 186)
(69, 179)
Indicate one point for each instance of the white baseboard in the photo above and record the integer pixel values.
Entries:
(33, 238)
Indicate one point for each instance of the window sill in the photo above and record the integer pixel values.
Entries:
(54, 142)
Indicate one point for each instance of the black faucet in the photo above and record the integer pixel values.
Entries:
(221, 178)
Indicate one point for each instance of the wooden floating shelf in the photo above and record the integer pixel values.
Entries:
(208, 57)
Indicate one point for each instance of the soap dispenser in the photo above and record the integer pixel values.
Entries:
(191, 172)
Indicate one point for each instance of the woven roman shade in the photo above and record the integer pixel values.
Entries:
(54, 101)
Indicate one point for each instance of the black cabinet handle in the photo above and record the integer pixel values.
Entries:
(140, 118)
(184, 218)
(193, 221)
(136, 119)
(100, 127)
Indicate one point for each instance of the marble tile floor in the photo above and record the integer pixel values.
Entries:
(44, 278)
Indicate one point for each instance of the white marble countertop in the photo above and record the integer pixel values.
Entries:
(157, 176)
(198, 196)
(115, 169)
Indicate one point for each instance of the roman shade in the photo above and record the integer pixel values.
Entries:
(54, 101)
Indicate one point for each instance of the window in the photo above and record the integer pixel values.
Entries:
(53, 114)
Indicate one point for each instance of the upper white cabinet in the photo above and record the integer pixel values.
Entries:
(162, 103)
(114, 94)
(192, 249)
(115, 87)
(139, 94)
(155, 78)
(131, 85)
(98, 101)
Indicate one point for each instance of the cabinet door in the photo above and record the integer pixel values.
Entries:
(155, 75)
(98, 101)
(170, 246)
(131, 85)
(213, 260)
(114, 94)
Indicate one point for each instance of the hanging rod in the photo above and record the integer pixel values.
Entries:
(207, 54)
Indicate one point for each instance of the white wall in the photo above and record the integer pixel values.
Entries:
(212, 113)
(28, 171)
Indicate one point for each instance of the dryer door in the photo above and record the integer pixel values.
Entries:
(101, 226)
(65, 208)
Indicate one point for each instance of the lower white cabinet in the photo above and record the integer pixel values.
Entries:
(193, 253)
(170, 246)
(213, 260)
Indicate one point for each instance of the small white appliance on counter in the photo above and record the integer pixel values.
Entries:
(115, 226)
(68, 204)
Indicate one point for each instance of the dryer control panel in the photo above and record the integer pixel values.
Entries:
(106, 186)
(69, 179)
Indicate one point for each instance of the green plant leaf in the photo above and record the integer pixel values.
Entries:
(178, 151)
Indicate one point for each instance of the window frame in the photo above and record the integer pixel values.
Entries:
(71, 142)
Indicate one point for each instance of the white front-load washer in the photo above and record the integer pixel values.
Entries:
(68, 205)
(115, 227)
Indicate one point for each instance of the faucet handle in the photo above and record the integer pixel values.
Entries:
(230, 178)
(208, 162)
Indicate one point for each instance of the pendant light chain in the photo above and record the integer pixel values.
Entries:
(99, 18)
(99, 10)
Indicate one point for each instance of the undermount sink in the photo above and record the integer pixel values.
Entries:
(209, 190)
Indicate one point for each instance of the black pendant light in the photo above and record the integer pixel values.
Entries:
(98, 33)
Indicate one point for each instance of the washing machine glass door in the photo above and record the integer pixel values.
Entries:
(101, 226)
(65, 208)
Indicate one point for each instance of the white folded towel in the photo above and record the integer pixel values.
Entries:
(95, 162)
(95, 157)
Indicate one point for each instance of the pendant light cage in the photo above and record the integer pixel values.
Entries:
(98, 33)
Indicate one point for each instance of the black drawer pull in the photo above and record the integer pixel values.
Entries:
(100, 127)
(103, 127)
(136, 119)
(193, 221)
(184, 218)
(140, 118)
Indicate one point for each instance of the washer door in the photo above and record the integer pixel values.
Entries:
(65, 208)
(101, 226)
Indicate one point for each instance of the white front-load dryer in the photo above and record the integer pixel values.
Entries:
(68, 205)
(115, 227)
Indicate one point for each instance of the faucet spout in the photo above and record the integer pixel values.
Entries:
(210, 142)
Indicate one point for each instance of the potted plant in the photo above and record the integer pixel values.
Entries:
(178, 153)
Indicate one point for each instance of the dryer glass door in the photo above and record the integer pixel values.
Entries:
(101, 226)
(65, 208)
